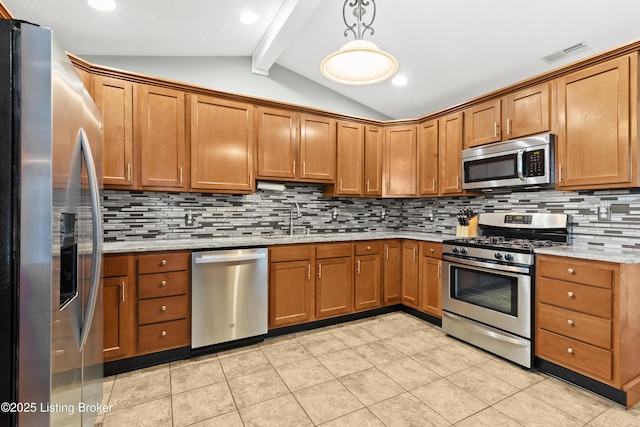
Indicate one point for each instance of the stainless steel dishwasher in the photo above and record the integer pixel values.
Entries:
(229, 295)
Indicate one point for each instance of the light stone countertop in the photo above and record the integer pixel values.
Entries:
(574, 251)
(254, 241)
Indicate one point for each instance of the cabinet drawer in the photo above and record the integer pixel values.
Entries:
(115, 266)
(432, 249)
(162, 336)
(585, 299)
(590, 329)
(156, 263)
(368, 248)
(584, 358)
(593, 273)
(163, 284)
(291, 253)
(163, 309)
(333, 250)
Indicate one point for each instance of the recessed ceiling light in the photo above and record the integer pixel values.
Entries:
(104, 5)
(399, 80)
(249, 17)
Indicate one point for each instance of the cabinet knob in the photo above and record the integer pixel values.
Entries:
(163, 262)
(163, 308)
(431, 250)
(368, 248)
(163, 333)
(570, 270)
(570, 294)
(569, 322)
(163, 283)
(570, 350)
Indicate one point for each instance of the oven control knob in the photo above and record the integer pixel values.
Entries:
(497, 255)
(463, 251)
(508, 257)
(455, 250)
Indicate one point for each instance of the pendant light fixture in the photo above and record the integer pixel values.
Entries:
(359, 62)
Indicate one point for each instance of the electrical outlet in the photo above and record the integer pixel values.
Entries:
(189, 219)
(604, 211)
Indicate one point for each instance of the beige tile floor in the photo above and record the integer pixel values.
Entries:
(389, 370)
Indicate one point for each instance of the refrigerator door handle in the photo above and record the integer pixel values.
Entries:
(96, 263)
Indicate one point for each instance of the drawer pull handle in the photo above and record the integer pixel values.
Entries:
(163, 333)
(163, 283)
(569, 322)
(570, 270)
(570, 294)
(163, 308)
(163, 262)
(570, 350)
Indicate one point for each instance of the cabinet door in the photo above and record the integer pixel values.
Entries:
(290, 287)
(594, 120)
(401, 161)
(160, 138)
(450, 154)
(373, 136)
(392, 271)
(334, 287)
(114, 99)
(317, 148)
(410, 271)
(221, 145)
(277, 143)
(528, 112)
(483, 124)
(428, 158)
(367, 282)
(431, 286)
(349, 158)
(116, 308)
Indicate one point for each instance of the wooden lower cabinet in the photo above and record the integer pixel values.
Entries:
(392, 272)
(334, 286)
(587, 320)
(431, 278)
(368, 276)
(410, 273)
(118, 305)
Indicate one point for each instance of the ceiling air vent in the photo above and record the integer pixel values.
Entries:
(566, 52)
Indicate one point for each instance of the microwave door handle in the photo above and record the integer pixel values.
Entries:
(520, 166)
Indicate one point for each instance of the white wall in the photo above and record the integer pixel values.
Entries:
(233, 74)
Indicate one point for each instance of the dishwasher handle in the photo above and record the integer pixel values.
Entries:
(210, 259)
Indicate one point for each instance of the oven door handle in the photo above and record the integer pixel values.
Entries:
(492, 334)
(487, 266)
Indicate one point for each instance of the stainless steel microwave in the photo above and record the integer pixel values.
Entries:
(526, 162)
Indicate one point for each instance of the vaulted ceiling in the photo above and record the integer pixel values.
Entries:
(449, 50)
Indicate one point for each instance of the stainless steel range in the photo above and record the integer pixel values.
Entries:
(488, 281)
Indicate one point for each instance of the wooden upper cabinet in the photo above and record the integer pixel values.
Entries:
(160, 138)
(428, 136)
(349, 159)
(222, 141)
(277, 143)
(597, 109)
(527, 112)
(373, 137)
(400, 160)
(317, 148)
(450, 153)
(483, 124)
(114, 99)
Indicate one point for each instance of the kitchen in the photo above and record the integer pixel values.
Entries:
(135, 216)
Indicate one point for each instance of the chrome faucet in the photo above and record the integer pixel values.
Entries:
(298, 215)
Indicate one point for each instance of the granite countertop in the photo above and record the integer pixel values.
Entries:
(623, 256)
(267, 240)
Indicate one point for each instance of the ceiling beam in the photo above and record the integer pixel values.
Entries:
(291, 17)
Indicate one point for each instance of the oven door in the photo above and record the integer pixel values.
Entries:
(493, 294)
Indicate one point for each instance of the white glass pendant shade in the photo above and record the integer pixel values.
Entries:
(359, 62)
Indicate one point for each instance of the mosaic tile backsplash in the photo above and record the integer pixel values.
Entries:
(150, 215)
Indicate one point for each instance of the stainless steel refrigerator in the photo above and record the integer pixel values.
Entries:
(50, 235)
